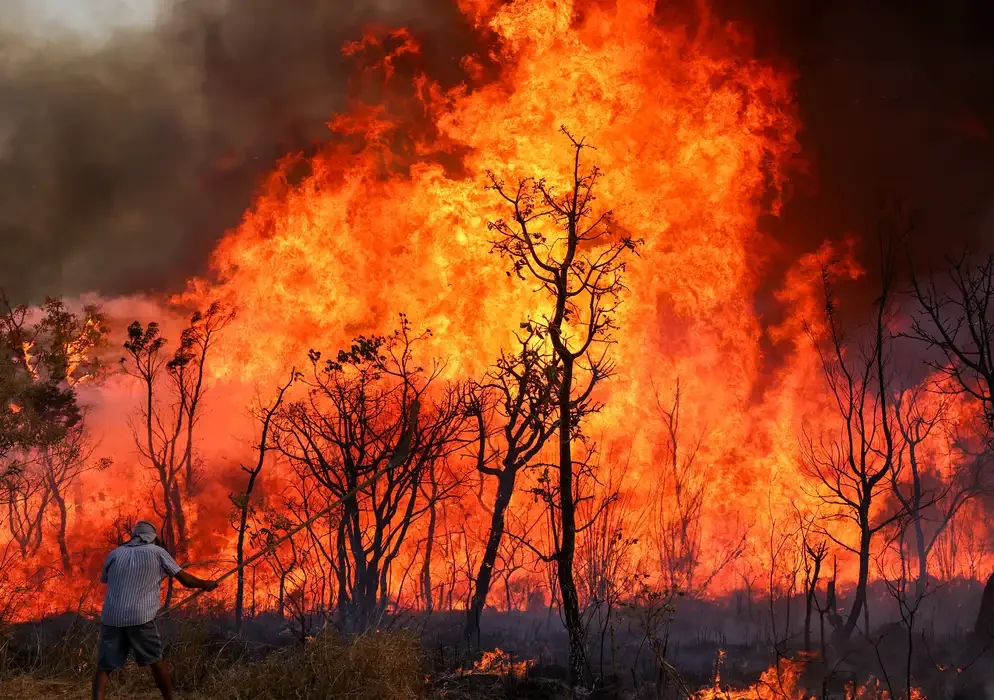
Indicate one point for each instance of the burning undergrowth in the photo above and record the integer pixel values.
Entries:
(414, 659)
(501, 663)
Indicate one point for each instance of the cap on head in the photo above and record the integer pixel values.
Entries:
(144, 531)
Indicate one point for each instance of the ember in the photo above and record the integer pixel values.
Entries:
(501, 663)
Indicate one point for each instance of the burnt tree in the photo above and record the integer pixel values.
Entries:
(283, 559)
(577, 258)
(514, 413)
(440, 485)
(955, 318)
(931, 499)
(852, 467)
(243, 500)
(63, 462)
(173, 387)
(348, 427)
(814, 557)
(684, 489)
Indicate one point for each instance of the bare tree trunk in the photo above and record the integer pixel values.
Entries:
(245, 503)
(812, 591)
(426, 587)
(922, 580)
(567, 549)
(240, 555)
(61, 535)
(844, 632)
(168, 528)
(252, 609)
(60, 503)
(484, 577)
(178, 516)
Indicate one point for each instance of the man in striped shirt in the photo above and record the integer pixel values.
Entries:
(133, 573)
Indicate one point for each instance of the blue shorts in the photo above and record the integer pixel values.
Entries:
(117, 642)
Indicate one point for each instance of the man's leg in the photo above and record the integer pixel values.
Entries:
(160, 674)
(100, 684)
(111, 655)
(147, 647)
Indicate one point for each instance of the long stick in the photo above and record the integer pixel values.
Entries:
(401, 453)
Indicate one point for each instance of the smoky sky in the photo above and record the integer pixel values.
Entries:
(121, 166)
(897, 105)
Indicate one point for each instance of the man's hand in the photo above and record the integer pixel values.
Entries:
(191, 581)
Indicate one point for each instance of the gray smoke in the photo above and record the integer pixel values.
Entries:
(125, 156)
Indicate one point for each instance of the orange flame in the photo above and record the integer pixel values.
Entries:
(690, 132)
(696, 139)
(779, 682)
(501, 663)
(783, 681)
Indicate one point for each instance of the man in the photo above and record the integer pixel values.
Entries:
(133, 573)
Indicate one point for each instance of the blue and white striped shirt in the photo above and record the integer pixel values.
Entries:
(133, 573)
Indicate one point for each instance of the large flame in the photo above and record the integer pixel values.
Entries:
(691, 134)
(695, 138)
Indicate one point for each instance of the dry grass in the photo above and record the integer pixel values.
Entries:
(26, 688)
(376, 666)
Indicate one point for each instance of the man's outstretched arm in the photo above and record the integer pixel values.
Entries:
(188, 580)
(171, 568)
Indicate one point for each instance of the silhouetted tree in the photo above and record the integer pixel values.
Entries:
(556, 239)
(243, 501)
(173, 388)
(814, 557)
(43, 445)
(63, 462)
(853, 465)
(930, 498)
(439, 486)
(283, 560)
(514, 412)
(356, 412)
(608, 566)
(956, 318)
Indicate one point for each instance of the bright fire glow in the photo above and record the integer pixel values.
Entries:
(696, 139)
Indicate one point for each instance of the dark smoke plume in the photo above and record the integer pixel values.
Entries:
(121, 165)
(897, 102)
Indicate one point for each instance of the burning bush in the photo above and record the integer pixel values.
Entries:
(501, 663)
(779, 682)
